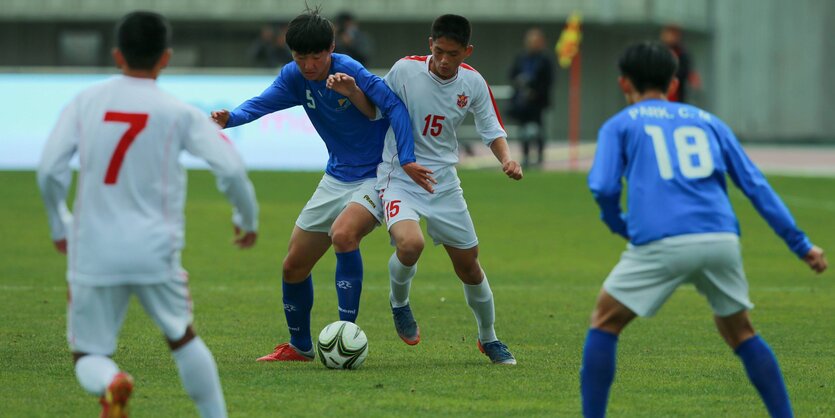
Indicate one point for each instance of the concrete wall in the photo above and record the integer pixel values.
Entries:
(774, 68)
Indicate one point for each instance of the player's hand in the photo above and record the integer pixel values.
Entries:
(512, 169)
(420, 175)
(815, 259)
(220, 117)
(245, 240)
(343, 84)
(60, 245)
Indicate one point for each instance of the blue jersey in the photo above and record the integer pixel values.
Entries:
(355, 143)
(674, 158)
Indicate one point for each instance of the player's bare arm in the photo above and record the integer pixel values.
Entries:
(220, 117)
(502, 152)
(816, 260)
(347, 86)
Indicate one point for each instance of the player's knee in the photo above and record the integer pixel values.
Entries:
(344, 239)
(736, 340)
(736, 328)
(294, 271)
(598, 318)
(611, 319)
(738, 336)
(604, 320)
(470, 273)
(410, 248)
(185, 339)
(287, 269)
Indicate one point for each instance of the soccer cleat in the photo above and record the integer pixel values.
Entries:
(404, 323)
(114, 402)
(497, 352)
(286, 352)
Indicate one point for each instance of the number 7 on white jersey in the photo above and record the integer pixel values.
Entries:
(136, 123)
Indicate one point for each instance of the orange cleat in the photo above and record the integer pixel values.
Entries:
(286, 352)
(114, 402)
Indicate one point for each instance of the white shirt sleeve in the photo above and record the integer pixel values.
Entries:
(389, 79)
(204, 139)
(54, 174)
(486, 114)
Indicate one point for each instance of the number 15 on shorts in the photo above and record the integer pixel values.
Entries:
(392, 209)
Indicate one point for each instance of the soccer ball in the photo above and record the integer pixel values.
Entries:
(342, 345)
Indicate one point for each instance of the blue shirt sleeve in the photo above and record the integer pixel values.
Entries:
(605, 178)
(278, 96)
(392, 108)
(754, 185)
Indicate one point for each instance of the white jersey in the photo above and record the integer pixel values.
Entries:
(128, 225)
(437, 108)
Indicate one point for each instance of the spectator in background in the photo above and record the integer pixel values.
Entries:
(350, 40)
(269, 49)
(531, 75)
(687, 77)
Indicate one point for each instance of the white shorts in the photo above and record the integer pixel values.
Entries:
(95, 313)
(648, 274)
(448, 221)
(331, 197)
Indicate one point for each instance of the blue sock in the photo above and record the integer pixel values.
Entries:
(765, 375)
(298, 301)
(348, 284)
(597, 372)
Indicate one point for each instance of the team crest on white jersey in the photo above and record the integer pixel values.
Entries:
(462, 100)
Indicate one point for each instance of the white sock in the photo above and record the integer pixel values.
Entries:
(95, 373)
(400, 278)
(198, 372)
(480, 299)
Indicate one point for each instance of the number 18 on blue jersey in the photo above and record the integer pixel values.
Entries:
(675, 158)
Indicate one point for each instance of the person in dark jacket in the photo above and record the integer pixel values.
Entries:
(532, 76)
(671, 36)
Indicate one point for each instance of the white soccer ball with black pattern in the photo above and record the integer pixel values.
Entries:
(342, 345)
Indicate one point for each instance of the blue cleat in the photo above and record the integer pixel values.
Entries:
(404, 323)
(497, 352)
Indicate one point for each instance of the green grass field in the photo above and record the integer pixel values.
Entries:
(545, 253)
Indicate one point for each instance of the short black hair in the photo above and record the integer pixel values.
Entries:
(143, 37)
(453, 27)
(649, 65)
(309, 33)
